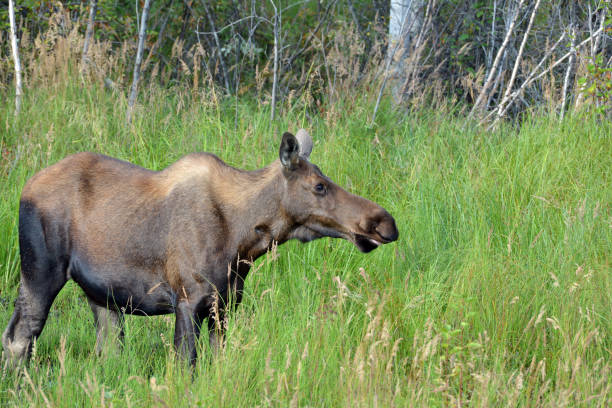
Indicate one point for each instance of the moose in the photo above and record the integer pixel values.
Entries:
(180, 240)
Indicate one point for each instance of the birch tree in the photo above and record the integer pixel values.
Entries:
(484, 92)
(404, 25)
(277, 22)
(141, 39)
(15, 49)
(405, 22)
(88, 34)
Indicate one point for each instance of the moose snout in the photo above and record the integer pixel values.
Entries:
(380, 224)
(386, 228)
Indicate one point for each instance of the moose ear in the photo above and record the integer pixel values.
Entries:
(289, 151)
(305, 142)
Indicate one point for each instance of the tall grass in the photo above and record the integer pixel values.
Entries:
(497, 293)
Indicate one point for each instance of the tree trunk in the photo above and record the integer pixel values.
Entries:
(570, 64)
(483, 95)
(18, 91)
(404, 25)
(517, 61)
(139, 52)
(218, 43)
(88, 34)
(275, 73)
(405, 22)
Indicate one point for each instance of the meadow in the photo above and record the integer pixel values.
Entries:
(498, 292)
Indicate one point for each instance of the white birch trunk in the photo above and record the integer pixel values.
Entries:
(405, 22)
(568, 73)
(485, 89)
(275, 76)
(139, 52)
(517, 61)
(404, 26)
(18, 90)
(88, 34)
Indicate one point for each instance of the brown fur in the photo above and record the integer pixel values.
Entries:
(147, 242)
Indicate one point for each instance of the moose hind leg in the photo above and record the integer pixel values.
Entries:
(109, 327)
(17, 337)
(43, 274)
(26, 324)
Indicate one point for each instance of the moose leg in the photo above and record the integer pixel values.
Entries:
(215, 333)
(42, 277)
(29, 317)
(221, 305)
(186, 331)
(109, 327)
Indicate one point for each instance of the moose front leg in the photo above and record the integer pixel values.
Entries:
(222, 303)
(216, 330)
(186, 330)
(200, 304)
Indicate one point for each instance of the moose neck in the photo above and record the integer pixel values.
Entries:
(251, 200)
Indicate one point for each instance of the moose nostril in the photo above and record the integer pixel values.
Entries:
(387, 229)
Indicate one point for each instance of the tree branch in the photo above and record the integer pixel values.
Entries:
(218, 43)
(141, 39)
(88, 34)
(518, 59)
(502, 48)
(532, 77)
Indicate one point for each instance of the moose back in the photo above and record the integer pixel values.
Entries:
(144, 242)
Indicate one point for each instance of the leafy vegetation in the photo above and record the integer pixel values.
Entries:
(497, 293)
(231, 44)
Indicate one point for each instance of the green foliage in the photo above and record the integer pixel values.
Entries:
(497, 293)
(597, 85)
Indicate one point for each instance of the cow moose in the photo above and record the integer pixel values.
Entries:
(148, 242)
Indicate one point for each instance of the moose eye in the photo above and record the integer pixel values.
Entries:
(320, 188)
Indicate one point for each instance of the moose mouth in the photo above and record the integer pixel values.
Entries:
(362, 242)
(366, 244)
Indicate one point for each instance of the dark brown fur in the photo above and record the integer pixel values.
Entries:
(145, 242)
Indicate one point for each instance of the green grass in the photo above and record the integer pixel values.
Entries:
(497, 293)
